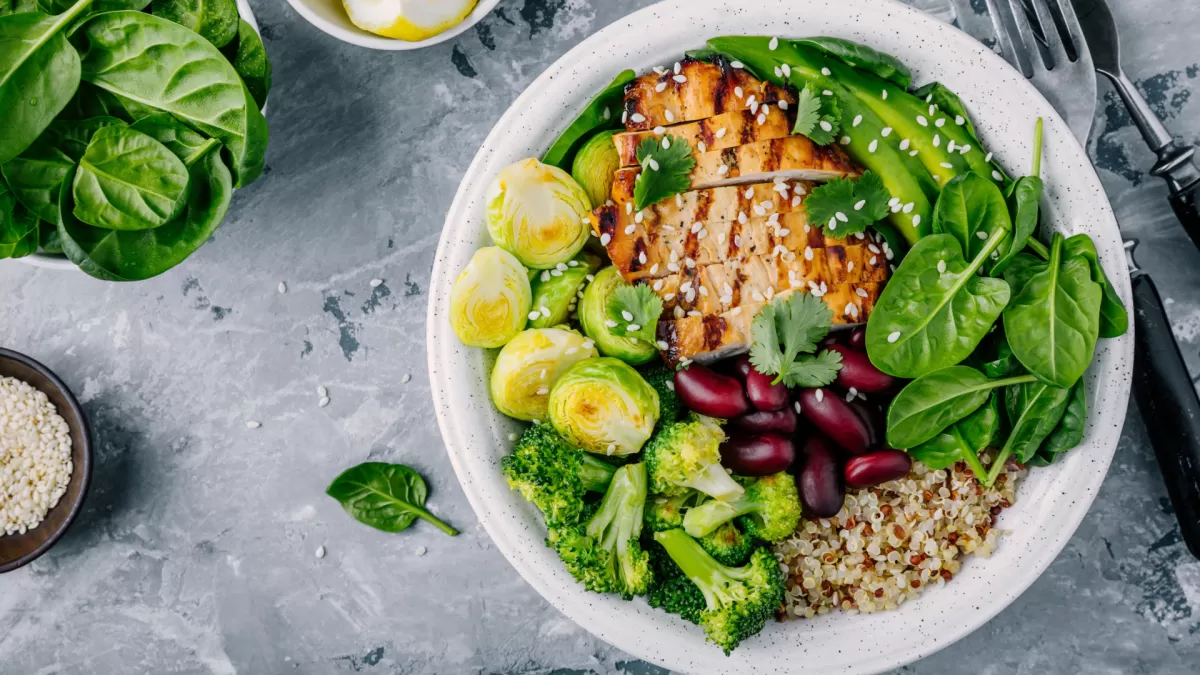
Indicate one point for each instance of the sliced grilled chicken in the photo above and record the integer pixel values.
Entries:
(790, 158)
(726, 130)
(696, 90)
(711, 205)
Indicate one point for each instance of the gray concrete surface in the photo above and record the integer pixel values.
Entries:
(195, 553)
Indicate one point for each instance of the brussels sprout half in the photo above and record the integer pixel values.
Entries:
(593, 318)
(538, 213)
(595, 167)
(528, 367)
(556, 292)
(604, 406)
(490, 301)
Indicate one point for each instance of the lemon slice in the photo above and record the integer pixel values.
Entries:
(410, 20)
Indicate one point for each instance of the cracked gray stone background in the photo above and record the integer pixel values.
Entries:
(195, 552)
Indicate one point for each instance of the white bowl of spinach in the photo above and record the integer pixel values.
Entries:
(132, 124)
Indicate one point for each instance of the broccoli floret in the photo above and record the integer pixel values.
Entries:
(738, 600)
(662, 378)
(605, 553)
(553, 475)
(769, 509)
(686, 455)
(673, 592)
(666, 513)
(728, 545)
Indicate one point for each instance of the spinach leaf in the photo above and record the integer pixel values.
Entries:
(36, 174)
(999, 360)
(16, 6)
(48, 238)
(215, 20)
(184, 143)
(602, 112)
(963, 440)
(972, 209)
(862, 57)
(1026, 199)
(249, 59)
(18, 227)
(39, 72)
(1069, 432)
(1034, 410)
(163, 65)
(1054, 319)
(935, 310)
(387, 497)
(929, 404)
(128, 181)
(1114, 320)
(115, 255)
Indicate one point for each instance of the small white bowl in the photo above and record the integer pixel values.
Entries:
(330, 16)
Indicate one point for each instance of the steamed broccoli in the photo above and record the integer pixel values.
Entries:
(686, 455)
(662, 378)
(768, 510)
(666, 513)
(728, 545)
(605, 553)
(738, 600)
(672, 591)
(553, 475)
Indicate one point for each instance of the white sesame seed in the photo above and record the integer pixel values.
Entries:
(858, 206)
(605, 238)
(282, 287)
(783, 105)
(723, 169)
(421, 550)
(662, 345)
(545, 311)
(738, 91)
(796, 405)
(845, 140)
(808, 253)
(827, 93)
(997, 176)
(988, 158)
(820, 395)
(653, 164)
(916, 219)
(680, 78)
(773, 44)
(908, 208)
(826, 72)
(885, 94)
(904, 144)
(941, 267)
(534, 315)
(637, 118)
(826, 126)
(323, 402)
(862, 292)
(982, 235)
(787, 72)
(660, 87)
(253, 425)
(941, 122)
(320, 551)
(842, 217)
(778, 71)
(666, 144)
(922, 120)
(625, 314)
(914, 154)
(630, 229)
(885, 132)
(642, 257)
(893, 336)
(873, 146)
(964, 149)
(947, 165)
(702, 147)
(737, 64)
(720, 133)
(376, 283)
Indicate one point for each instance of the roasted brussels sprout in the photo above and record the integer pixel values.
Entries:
(603, 406)
(556, 292)
(594, 320)
(528, 367)
(595, 167)
(491, 299)
(538, 213)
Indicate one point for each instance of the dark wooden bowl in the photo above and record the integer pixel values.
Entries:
(17, 550)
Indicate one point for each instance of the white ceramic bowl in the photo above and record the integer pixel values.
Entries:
(1051, 501)
(331, 18)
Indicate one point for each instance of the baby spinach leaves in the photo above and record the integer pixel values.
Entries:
(963, 440)
(1034, 410)
(128, 181)
(972, 209)
(249, 59)
(215, 20)
(1114, 319)
(936, 309)
(388, 497)
(17, 226)
(36, 174)
(1069, 432)
(602, 112)
(1054, 319)
(931, 403)
(1026, 201)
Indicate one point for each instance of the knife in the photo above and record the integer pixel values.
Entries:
(1175, 162)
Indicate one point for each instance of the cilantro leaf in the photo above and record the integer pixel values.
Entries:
(817, 117)
(667, 165)
(785, 328)
(814, 370)
(845, 207)
(635, 311)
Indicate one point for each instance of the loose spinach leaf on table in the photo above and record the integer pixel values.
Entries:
(972, 209)
(1034, 410)
(196, 83)
(1025, 202)
(1053, 320)
(36, 174)
(39, 72)
(249, 59)
(128, 181)
(936, 309)
(1069, 432)
(215, 20)
(602, 112)
(862, 57)
(963, 440)
(1114, 319)
(387, 497)
(930, 404)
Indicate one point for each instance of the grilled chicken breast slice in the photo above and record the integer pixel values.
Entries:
(699, 90)
(791, 158)
(727, 130)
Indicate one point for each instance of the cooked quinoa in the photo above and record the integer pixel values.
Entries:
(889, 542)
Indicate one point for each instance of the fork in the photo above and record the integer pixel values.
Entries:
(1054, 55)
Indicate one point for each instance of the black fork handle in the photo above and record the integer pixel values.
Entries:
(1169, 405)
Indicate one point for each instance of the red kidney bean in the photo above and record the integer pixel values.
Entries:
(761, 455)
(859, 373)
(876, 468)
(741, 367)
(830, 340)
(710, 393)
(778, 421)
(872, 416)
(858, 339)
(764, 395)
(819, 478)
(830, 413)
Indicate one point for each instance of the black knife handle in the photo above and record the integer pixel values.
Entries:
(1169, 406)
(1187, 208)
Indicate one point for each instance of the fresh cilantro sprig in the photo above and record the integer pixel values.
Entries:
(667, 165)
(817, 117)
(785, 334)
(633, 312)
(844, 206)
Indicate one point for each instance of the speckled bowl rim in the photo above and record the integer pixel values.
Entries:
(51, 261)
(83, 470)
(1051, 501)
